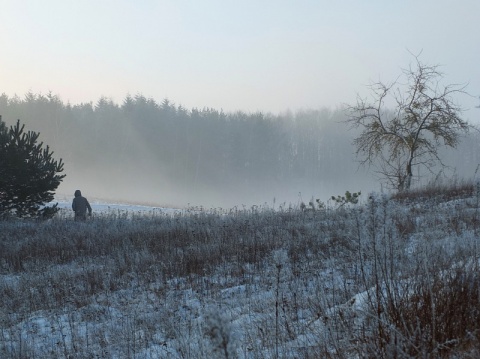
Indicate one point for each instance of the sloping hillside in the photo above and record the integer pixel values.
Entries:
(388, 277)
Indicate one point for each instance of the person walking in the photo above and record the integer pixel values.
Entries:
(80, 206)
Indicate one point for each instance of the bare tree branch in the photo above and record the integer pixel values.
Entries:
(425, 117)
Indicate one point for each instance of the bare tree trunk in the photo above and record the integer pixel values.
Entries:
(408, 179)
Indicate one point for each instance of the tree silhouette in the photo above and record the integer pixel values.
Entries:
(424, 118)
(28, 174)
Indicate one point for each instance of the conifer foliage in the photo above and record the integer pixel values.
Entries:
(29, 174)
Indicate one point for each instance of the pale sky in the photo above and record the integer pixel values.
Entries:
(250, 55)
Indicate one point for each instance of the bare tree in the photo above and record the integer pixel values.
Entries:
(407, 122)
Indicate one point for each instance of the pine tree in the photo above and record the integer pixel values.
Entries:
(28, 174)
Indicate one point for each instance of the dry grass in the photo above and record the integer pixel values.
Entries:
(415, 260)
(438, 189)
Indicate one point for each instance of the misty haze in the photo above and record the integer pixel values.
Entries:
(142, 151)
(267, 179)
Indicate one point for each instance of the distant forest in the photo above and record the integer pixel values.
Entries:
(145, 151)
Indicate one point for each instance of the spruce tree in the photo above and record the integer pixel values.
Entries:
(28, 174)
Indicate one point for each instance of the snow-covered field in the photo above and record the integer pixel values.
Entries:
(380, 279)
(103, 208)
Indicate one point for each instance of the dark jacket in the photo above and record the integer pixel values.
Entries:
(80, 205)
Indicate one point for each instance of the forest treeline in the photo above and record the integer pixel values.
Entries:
(161, 152)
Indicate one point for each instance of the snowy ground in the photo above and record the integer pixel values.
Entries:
(191, 284)
(100, 207)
